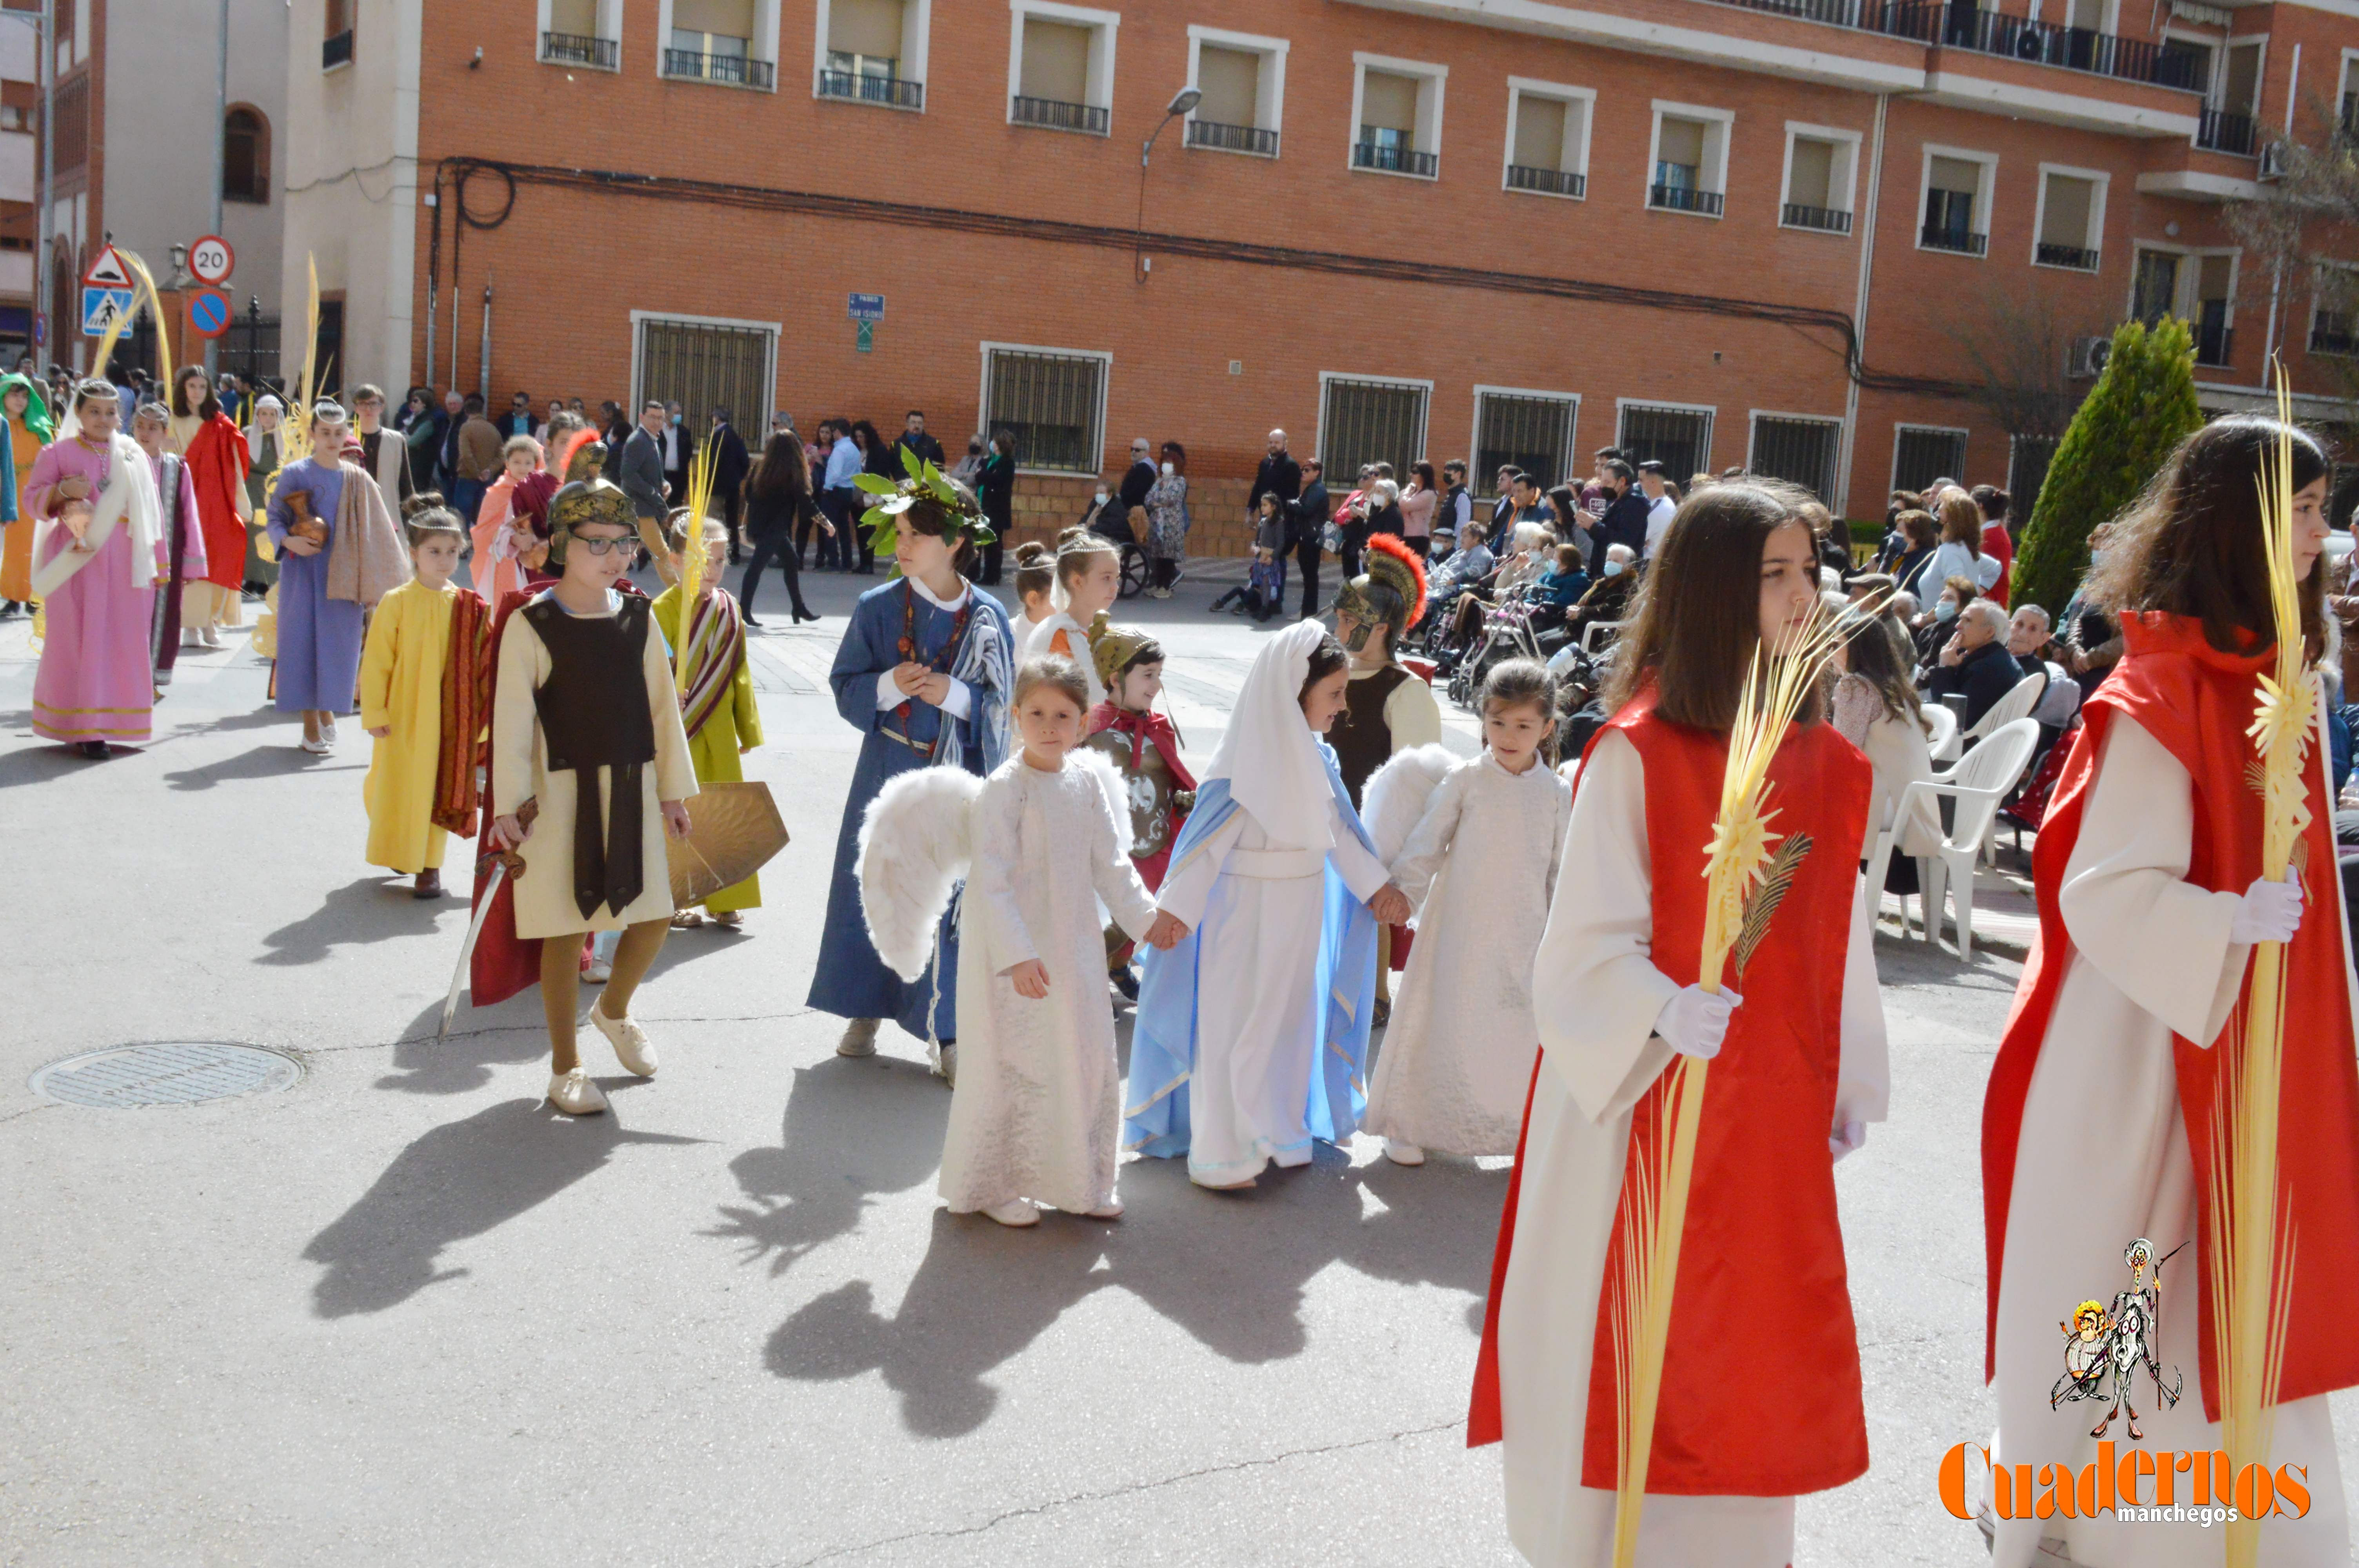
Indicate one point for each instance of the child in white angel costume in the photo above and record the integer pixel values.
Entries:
(1475, 841)
(1036, 1113)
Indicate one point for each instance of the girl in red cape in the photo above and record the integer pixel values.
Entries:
(2097, 1125)
(214, 449)
(1761, 1382)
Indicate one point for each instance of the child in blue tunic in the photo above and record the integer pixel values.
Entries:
(924, 672)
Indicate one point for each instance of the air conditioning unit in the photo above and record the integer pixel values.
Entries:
(2273, 161)
(2087, 358)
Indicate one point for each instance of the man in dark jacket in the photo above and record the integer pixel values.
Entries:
(642, 474)
(1278, 475)
(1624, 521)
(1140, 478)
(914, 437)
(1307, 518)
(1974, 663)
(678, 443)
(730, 466)
(518, 420)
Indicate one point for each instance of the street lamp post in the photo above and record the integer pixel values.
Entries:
(1182, 102)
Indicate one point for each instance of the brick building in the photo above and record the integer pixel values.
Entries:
(1777, 233)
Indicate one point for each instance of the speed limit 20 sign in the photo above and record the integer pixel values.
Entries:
(212, 259)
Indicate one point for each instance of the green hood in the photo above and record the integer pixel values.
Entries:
(37, 411)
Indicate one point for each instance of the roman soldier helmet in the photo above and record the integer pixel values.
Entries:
(1390, 593)
(1115, 649)
(596, 501)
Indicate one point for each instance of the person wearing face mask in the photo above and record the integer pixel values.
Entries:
(995, 492)
(1932, 628)
(1166, 538)
(968, 470)
(1608, 598)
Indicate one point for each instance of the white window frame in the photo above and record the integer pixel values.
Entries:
(1966, 444)
(1848, 141)
(1710, 411)
(1583, 99)
(1752, 417)
(984, 352)
(688, 319)
(2345, 80)
(763, 47)
(1427, 138)
(1713, 175)
(610, 30)
(1269, 87)
(1985, 192)
(916, 32)
(1318, 430)
(1097, 89)
(1477, 484)
(2187, 303)
(2096, 177)
(2218, 99)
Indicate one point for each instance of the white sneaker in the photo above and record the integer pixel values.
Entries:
(318, 748)
(212, 636)
(1016, 1214)
(598, 972)
(189, 638)
(632, 1047)
(327, 732)
(1401, 1153)
(574, 1094)
(859, 1038)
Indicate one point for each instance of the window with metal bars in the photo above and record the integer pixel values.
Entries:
(2027, 458)
(1800, 451)
(1533, 433)
(705, 365)
(1054, 404)
(1363, 421)
(1923, 453)
(1679, 438)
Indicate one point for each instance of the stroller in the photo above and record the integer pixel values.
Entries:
(1110, 521)
(1508, 633)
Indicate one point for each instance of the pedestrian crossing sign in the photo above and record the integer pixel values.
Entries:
(99, 307)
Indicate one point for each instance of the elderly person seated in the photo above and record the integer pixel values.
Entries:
(1974, 663)
(1521, 567)
(2029, 639)
(1463, 568)
(1608, 599)
(1932, 628)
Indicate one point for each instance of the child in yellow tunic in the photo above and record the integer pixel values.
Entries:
(717, 709)
(402, 667)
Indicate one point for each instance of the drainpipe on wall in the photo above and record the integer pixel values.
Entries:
(483, 380)
(1866, 230)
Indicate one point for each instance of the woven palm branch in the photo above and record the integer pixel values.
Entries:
(701, 470)
(1761, 903)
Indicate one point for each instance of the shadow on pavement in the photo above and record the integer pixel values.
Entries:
(258, 762)
(40, 763)
(1229, 1268)
(368, 910)
(458, 1180)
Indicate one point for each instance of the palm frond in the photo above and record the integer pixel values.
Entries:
(1761, 903)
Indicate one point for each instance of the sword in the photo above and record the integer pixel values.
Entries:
(467, 949)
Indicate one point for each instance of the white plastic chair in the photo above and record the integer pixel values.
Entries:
(2017, 704)
(1942, 740)
(1589, 633)
(1975, 788)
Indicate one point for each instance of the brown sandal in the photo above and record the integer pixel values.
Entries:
(729, 920)
(687, 920)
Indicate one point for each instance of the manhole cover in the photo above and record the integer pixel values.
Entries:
(174, 1072)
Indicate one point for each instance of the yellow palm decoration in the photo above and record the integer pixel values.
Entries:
(1738, 858)
(692, 556)
(2252, 1240)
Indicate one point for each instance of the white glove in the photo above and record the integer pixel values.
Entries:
(1846, 1139)
(2269, 911)
(1695, 1021)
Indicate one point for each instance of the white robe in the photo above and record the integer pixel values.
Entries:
(1077, 643)
(1038, 1111)
(2103, 1159)
(1457, 1059)
(1257, 908)
(1598, 994)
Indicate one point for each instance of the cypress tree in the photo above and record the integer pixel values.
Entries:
(2141, 408)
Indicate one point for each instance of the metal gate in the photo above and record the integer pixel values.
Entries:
(1052, 404)
(2027, 458)
(1534, 434)
(1923, 453)
(1799, 451)
(1679, 438)
(1370, 422)
(703, 367)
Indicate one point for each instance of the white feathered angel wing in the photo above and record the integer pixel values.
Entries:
(1099, 767)
(1399, 792)
(914, 844)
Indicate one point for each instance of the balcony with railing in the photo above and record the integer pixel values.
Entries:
(336, 50)
(1685, 199)
(1232, 138)
(1989, 32)
(2217, 130)
(862, 87)
(1549, 181)
(2079, 258)
(726, 69)
(1826, 220)
(1947, 237)
(1056, 115)
(2334, 334)
(580, 49)
(1389, 158)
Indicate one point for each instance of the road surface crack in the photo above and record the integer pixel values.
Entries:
(1265, 1461)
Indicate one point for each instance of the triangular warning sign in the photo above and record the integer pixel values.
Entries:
(108, 271)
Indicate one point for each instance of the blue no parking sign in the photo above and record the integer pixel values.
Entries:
(208, 312)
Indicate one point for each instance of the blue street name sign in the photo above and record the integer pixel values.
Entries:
(867, 308)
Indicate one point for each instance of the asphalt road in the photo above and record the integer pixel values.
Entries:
(401, 1314)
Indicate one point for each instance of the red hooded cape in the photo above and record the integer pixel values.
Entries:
(2196, 702)
(218, 462)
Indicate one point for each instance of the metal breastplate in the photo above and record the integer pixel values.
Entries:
(1147, 786)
